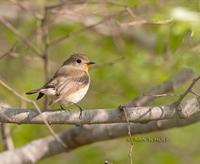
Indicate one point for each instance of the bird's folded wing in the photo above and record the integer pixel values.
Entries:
(64, 82)
(69, 85)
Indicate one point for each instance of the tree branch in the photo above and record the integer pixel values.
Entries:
(98, 116)
(79, 136)
(20, 36)
(6, 137)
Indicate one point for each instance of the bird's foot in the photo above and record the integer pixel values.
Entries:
(62, 108)
(81, 111)
(122, 108)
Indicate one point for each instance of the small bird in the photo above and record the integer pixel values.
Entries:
(69, 84)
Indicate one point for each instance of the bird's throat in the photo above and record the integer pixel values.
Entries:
(85, 68)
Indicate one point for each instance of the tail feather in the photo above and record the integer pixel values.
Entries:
(40, 95)
(35, 91)
(32, 91)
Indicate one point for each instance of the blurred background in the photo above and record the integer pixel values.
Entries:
(136, 45)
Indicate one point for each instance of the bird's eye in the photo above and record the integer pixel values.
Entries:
(78, 61)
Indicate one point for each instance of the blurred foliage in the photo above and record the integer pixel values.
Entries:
(176, 47)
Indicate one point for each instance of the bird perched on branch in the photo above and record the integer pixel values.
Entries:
(69, 84)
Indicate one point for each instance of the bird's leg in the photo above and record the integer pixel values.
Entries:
(122, 108)
(62, 108)
(81, 110)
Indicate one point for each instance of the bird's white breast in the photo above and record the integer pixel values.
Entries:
(76, 96)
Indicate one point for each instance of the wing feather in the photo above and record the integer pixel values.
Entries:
(70, 86)
(65, 81)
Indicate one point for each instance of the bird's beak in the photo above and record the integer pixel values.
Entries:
(89, 63)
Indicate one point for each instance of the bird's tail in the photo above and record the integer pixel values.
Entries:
(32, 91)
(36, 91)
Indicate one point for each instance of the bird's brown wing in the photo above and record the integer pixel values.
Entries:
(62, 72)
(65, 80)
(70, 85)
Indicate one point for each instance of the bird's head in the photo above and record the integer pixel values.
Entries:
(79, 61)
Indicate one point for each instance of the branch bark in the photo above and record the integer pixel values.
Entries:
(80, 136)
(99, 116)
(6, 137)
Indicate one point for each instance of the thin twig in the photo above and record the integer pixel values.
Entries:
(168, 86)
(62, 38)
(194, 93)
(141, 22)
(188, 90)
(45, 53)
(9, 52)
(109, 63)
(129, 133)
(20, 36)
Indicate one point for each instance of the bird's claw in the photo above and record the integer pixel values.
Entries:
(80, 115)
(122, 107)
(62, 108)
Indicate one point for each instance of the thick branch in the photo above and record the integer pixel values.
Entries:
(6, 137)
(99, 116)
(79, 136)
